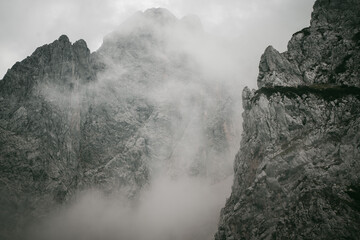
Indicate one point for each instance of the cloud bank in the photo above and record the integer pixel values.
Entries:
(252, 25)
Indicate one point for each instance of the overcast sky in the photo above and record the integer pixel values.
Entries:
(254, 24)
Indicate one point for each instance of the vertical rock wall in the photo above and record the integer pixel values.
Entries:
(297, 171)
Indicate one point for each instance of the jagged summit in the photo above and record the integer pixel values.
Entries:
(81, 43)
(59, 62)
(275, 70)
(64, 38)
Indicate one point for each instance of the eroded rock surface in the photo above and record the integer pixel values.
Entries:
(296, 173)
(325, 52)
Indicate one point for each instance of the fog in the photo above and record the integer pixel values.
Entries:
(169, 209)
(191, 72)
(193, 85)
(250, 25)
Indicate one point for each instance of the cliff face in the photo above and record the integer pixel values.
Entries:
(111, 120)
(40, 140)
(296, 173)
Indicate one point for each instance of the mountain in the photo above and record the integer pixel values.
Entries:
(149, 105)
(297, 170)
(110, 120)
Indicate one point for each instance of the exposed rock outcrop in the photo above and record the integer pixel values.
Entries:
(296, 174)
(110, 120)
(325, 52)
(40, 141)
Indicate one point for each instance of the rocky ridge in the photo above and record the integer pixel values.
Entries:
(296, 173)
(73, 120)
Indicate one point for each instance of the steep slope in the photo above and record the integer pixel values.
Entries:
(296, 174)
(39, 141)
(112, 120)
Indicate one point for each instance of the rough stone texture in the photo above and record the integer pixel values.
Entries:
(71, 120)
(40, 141)
(325, 52)
(296, 174)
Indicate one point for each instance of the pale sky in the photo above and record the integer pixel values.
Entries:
(254, 24)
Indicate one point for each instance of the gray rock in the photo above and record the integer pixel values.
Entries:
(327, 52)
(72, 120)
(296, 173)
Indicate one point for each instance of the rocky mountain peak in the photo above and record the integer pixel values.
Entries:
(59, 62)
(276, 70)
(63, 38)
(145, 112)
(81, 44)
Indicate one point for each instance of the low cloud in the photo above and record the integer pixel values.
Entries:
(184, 208)
(251, 25)
(199, 73)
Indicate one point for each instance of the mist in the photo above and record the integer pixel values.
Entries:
(190, 84)
(189, 81)
(250, 25)
(184, 208)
